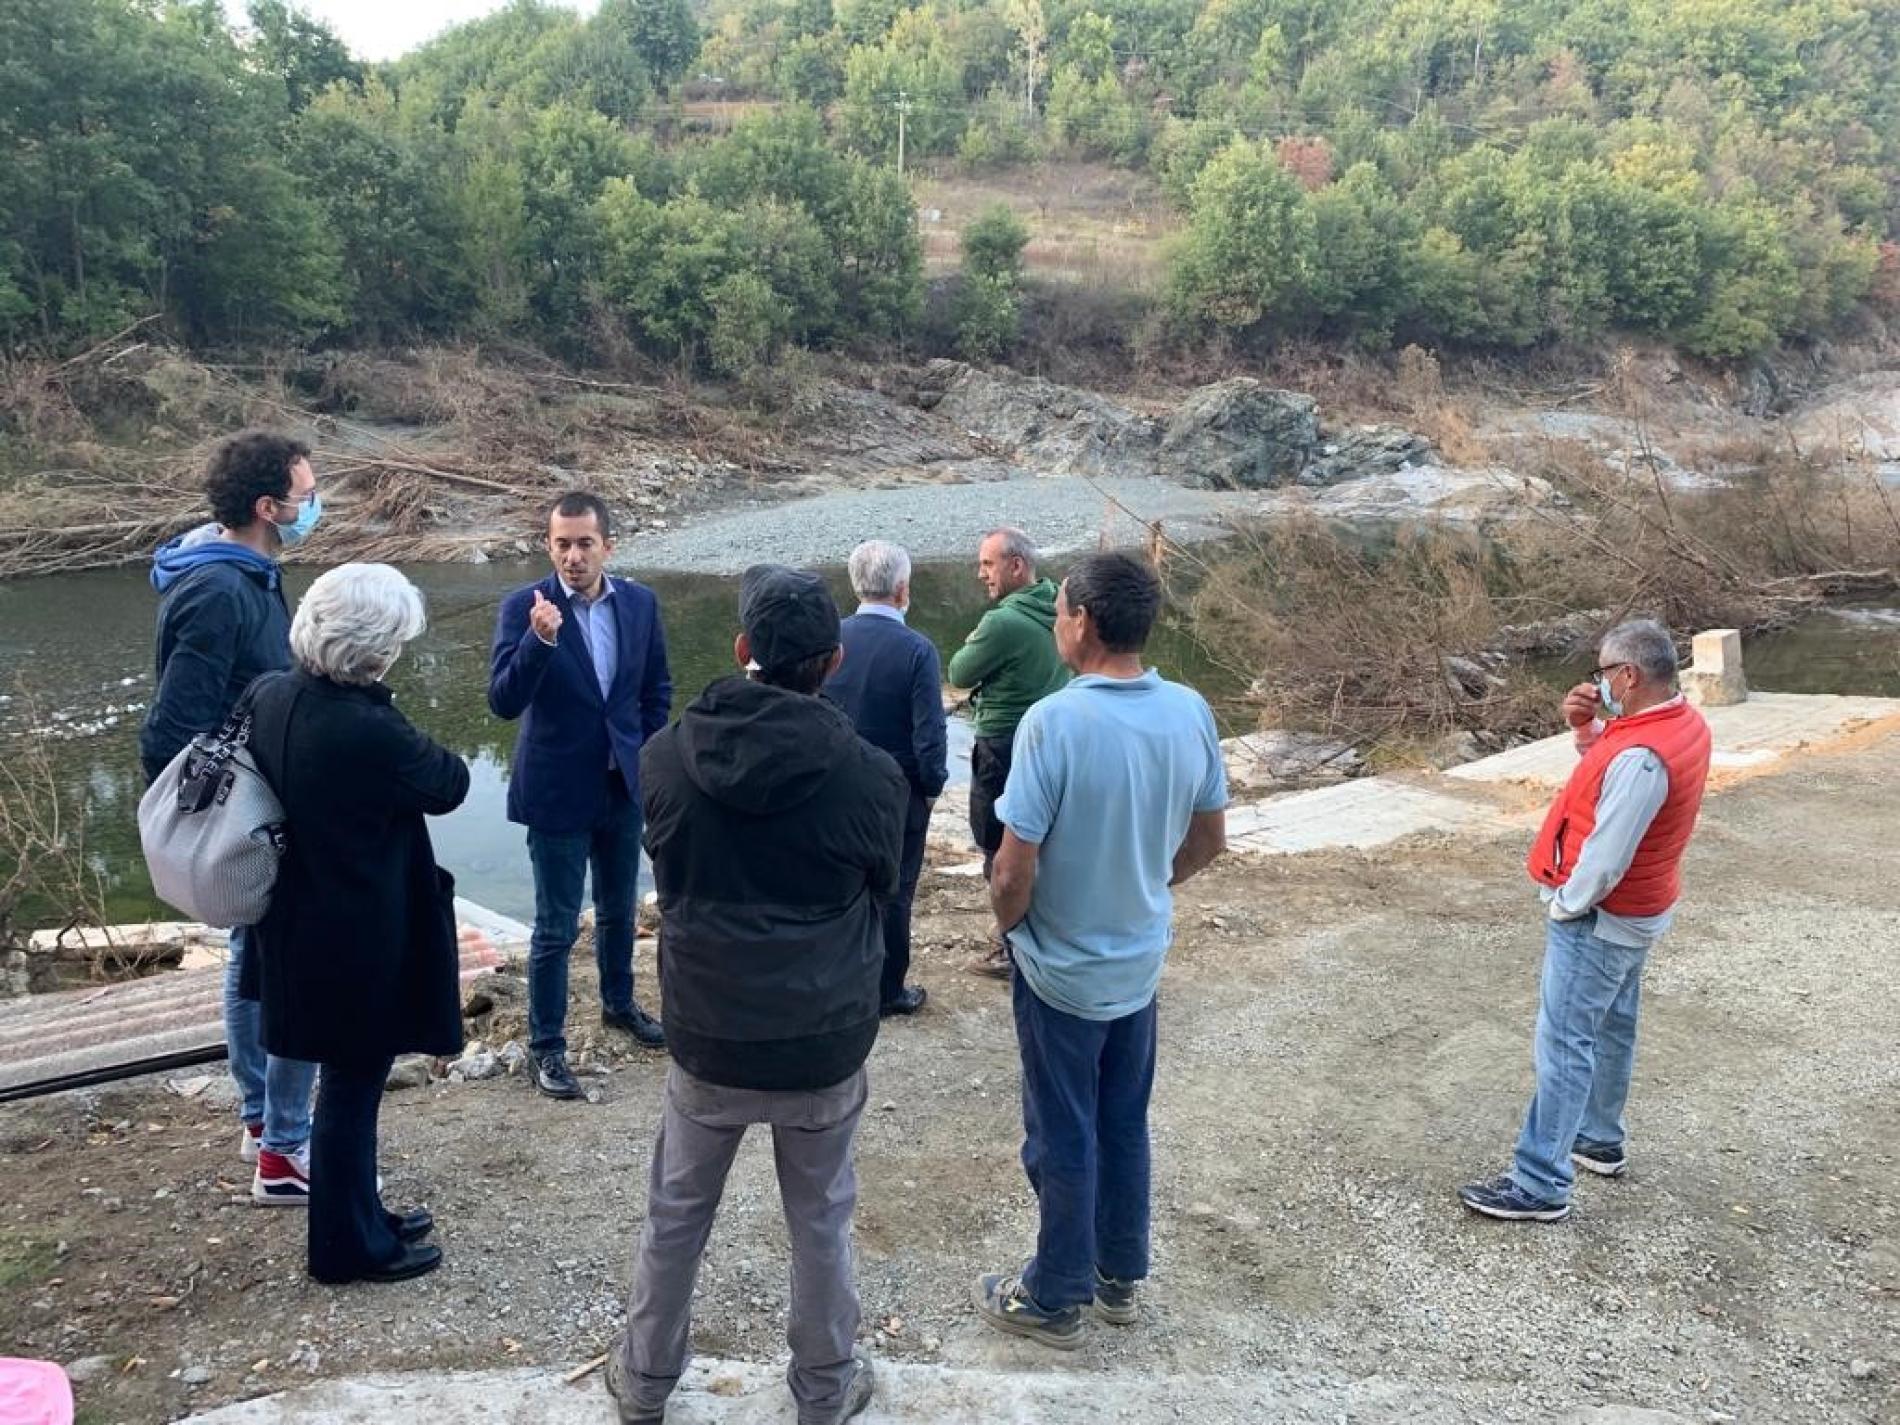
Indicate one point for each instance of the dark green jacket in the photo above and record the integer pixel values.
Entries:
(1010, 659)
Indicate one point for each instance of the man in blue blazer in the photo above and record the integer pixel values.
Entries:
(891, 686)
(581, 660)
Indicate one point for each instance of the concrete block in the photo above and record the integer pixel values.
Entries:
(1715, 680)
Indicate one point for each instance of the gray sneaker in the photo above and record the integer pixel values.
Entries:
(1006, 1304)
(1115, 1300)
(857, 1394)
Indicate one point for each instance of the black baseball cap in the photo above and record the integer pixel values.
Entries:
(787, 615)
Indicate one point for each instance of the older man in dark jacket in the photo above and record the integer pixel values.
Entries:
(891, 687)
(774, 832)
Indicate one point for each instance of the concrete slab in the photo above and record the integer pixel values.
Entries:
(728, 1393)
(1368, 812)
(1748, 736)
(509, 936)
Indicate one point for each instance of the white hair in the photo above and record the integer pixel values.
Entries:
(353, 622)
(877, 568)
(1015, 545)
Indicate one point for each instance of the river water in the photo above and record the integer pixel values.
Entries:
(82, 645)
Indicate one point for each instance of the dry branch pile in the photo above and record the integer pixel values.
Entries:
(1396, 644)
(442, 455)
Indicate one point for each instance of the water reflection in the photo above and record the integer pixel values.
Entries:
(76, 640)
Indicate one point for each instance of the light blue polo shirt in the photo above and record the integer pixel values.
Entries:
(1104, 777)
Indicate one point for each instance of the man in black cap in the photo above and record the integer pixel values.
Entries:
(774, 833)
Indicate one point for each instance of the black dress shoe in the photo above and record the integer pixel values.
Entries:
(553, 1077)
(908, 1000)
(412, 1226)
(416, 1259)
(644, 1028)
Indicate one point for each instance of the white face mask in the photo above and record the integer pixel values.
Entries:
(1608, 704)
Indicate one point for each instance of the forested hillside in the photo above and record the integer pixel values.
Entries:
(1485, 173)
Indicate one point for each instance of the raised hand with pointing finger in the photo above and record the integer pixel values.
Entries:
(545, 617)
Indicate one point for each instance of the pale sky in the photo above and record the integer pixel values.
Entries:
(383, 29)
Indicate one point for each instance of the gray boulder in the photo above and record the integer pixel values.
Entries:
(1365, 450)
(1240, 434)
(1050, 429)
(411, 1071)
(1273, 759)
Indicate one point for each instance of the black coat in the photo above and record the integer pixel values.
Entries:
(775, 833)
(357, 954)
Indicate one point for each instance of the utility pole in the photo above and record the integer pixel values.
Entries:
(903, 113)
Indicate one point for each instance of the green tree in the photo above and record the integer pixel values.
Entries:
(1754, 290)
(1089, 46)
(662, 33)
(781, 155)
(810, 69)
(567, 157)
(879, 78)
(593, 65)
(988, 317)
(265, 267)
(1097, 118)
(1249, 246)
(1363, 273)
(306, 54)
(993, 244)
(882, 286)
(384, 197)
(1183, 147)
(749, 322)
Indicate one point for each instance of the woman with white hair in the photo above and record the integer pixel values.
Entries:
(358, 958)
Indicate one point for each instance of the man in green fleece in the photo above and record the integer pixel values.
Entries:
(1009, 662)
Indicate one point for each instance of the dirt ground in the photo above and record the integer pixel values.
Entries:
(1345, 1040)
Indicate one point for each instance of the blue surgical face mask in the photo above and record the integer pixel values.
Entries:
(298, 530)
(1608, 704)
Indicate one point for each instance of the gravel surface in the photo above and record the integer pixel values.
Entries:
(932, 522)
(1345, 1039)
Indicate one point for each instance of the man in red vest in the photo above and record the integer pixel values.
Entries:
(1609, 860)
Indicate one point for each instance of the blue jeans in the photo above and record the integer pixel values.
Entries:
(560, 866)
(1085, 1144)
(1586, 1047)
(272, 1091)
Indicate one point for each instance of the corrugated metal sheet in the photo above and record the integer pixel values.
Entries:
(47, 1039)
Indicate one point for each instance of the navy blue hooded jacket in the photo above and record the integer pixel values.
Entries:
(222, 622)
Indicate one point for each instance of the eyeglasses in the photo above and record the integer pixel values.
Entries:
(1607, 668)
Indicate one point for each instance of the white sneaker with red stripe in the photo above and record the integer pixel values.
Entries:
(283, 1179)
(251, 1140)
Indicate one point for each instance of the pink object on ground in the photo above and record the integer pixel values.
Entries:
(34, 1393)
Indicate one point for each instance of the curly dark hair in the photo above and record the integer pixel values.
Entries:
(247, 467)
(1122, 596)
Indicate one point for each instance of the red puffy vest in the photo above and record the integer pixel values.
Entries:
(1677, 734)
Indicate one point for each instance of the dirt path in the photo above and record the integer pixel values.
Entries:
(1345, 1040)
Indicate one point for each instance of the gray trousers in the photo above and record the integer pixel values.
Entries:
(700, 1128)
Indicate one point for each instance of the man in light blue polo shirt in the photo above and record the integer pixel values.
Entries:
(1116, 793)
